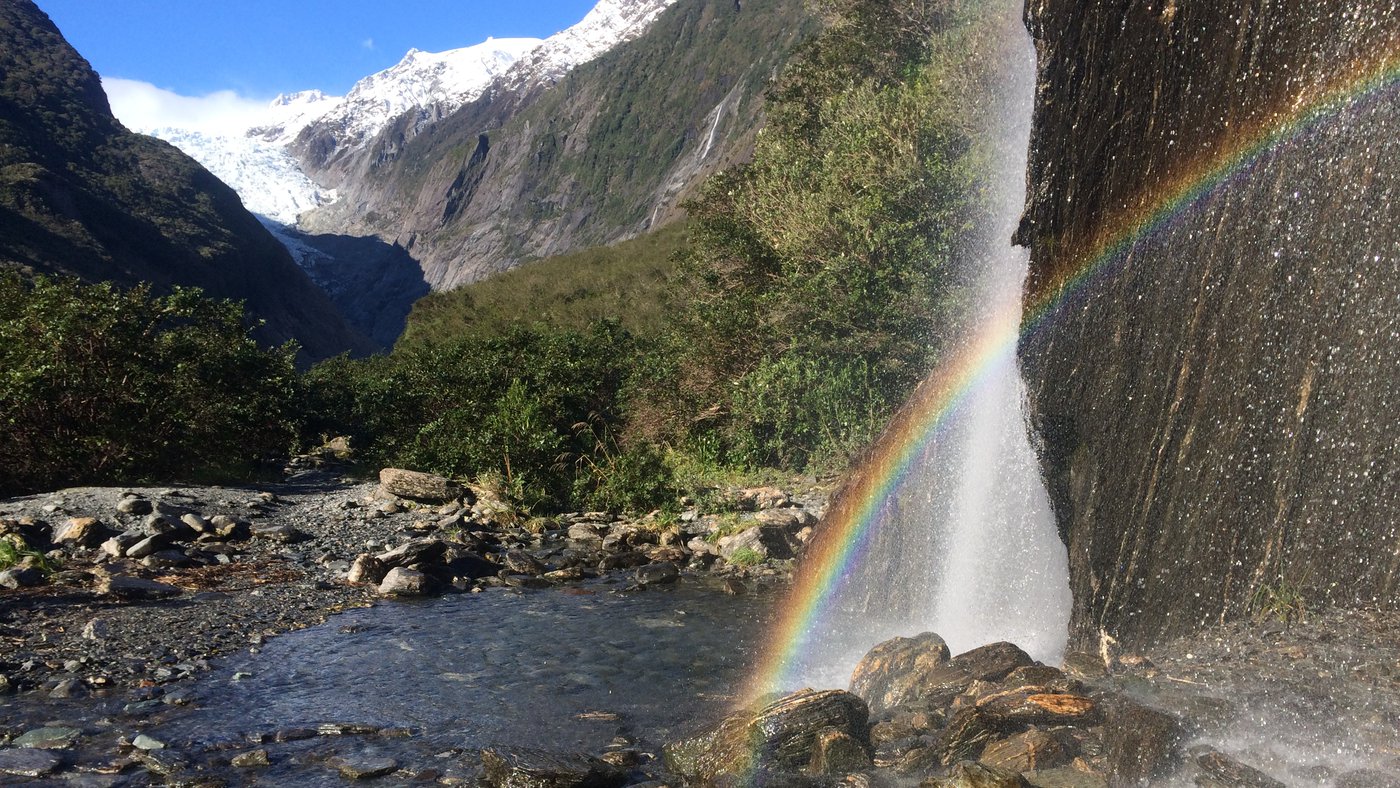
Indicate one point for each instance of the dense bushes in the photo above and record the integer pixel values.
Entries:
(535, 408)
(819, 277)
(103, 385)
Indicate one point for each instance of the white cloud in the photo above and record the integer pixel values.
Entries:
(368, 43)
(141, 106)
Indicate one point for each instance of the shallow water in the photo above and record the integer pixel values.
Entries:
(564, 670)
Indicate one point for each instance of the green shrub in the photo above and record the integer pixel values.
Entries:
(101, 385)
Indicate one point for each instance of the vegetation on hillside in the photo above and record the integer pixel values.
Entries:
(625, 282)
(101, 385)
(805, 302)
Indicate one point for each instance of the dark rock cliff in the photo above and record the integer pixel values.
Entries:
(605, 153)
(82, 196)
(1214, 217)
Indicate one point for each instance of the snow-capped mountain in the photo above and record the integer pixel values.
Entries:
(611, 22)
(441, 81)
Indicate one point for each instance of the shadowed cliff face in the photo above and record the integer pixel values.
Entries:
(1219, 400)
(82, 196)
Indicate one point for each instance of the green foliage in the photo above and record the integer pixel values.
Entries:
(746, 556)
(1283, 601)
(14, 550)
(100, 385)
(819, 277)
(624, 282)
(535, 407)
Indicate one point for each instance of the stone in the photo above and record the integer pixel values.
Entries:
(1140, 743)
(1366, 778)
(585, 532)
(965, 736)
(197, 523)
(778, 735)
(625, 560)
(992, 662)
(364, 767)
(971, 774)
(230, 528)
(28, 763)
(134, 505)
(21, 577)
(659, 573)
(367, 569)
(836, 753)
(1227, 771)
(149, 546)
(531, 768)
(82, 532)
(1026, 751)
(144, 742)
(164, 762)
(701, 546)
(128, 587)
(733, 586)
(1014, 709)
(251, 759)
(401, 581)
(766, 541)
(761, 498)
(790, 520)
(892, 672)
(50, 738)
(1066, 777)
(417, 486)
(522, 563)
(68, 688)
(417, 551)
(283, 534)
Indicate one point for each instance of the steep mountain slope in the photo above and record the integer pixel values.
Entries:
(81, 195)
(537, 167)
(1212, 213)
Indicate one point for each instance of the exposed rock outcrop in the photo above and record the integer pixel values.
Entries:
(1211, 218)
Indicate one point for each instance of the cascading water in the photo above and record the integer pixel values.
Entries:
(966, 545)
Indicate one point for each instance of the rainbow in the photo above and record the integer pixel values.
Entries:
(863, 504)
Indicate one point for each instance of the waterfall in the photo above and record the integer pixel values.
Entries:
(967, 546)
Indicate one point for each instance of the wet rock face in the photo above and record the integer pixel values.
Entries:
(781, 736)
(1217, 400)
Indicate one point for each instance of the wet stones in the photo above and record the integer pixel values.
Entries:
(418, 486)
(28, 763)
(401, 581)
(656, 574)
(888, 675)
(530, 768)
(780, 735)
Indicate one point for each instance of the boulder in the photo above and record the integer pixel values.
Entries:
(401, 581)
(81, 532)
(761, 498)
(284, 534)
(656, 574)
(1140, 743)
(367, 569)
(522, 563)
(970, 774)
(416, 486)
(1222, 770)
(21, 577)
(1026, 751)
(1013, 710)
(780, 735)
(28, 763)
(530, 768)
(767, 541)
(790, 520)
(128, 587)
(992, 662)
(54, 737)
(134, 505)
(363, 767)
(418, 551)
(890, 673)
(836, 753)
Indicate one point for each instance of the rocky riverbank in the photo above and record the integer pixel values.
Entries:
(120, 595)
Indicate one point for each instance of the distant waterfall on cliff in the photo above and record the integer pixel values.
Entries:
(967, 546)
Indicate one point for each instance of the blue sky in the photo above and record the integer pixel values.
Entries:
(259, 48)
